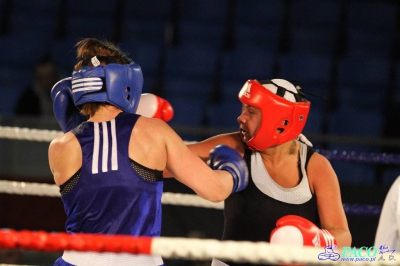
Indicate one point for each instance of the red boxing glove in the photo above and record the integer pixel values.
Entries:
(152, 106)
(298, 231)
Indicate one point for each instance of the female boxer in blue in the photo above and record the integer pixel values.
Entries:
(109, 168)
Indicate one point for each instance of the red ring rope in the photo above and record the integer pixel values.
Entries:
(44, 241)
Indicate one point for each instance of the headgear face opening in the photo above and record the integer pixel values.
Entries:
(116, 84)
(284, 111)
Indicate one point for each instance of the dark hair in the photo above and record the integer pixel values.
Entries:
(106, 52)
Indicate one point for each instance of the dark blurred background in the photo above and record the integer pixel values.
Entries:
(197, 54)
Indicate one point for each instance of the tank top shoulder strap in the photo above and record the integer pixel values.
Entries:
(310, 152)
(247, 156)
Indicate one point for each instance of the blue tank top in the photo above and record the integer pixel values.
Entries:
(110, 194)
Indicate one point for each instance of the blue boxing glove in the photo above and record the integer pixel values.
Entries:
(67, 114)
(228, 159)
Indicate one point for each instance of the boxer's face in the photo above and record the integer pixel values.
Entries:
(249, 121)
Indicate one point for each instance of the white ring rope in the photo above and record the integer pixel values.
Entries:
(253, 252)
(190, 248)
(29, 134)
(41, 189)
(189, 200)
(23, 133)
(33, 189)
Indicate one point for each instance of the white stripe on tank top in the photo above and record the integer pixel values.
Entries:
(96, 144)
(105, 148)
(105, 152)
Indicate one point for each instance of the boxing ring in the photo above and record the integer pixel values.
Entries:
(175, 247)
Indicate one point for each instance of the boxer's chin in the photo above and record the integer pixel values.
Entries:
(244, 135)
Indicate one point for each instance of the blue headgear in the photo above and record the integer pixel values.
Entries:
(116, 84)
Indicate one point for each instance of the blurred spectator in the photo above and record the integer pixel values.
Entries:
(35, 100)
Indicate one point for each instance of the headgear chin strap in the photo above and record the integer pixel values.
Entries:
(116, 84)
(284, 111)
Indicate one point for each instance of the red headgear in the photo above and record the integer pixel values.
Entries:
(284, 111)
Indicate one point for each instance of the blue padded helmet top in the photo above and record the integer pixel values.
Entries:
(116, 84)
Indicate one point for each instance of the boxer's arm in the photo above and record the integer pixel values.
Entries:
(202, 148)
(65, 157)
(325, 185)
(157, 146)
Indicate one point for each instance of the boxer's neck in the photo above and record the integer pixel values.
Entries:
(105, 113)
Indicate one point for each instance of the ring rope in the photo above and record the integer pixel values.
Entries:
(41, 189)
(172, 247)
(29, 134)
(362, 209)
(48, 135)
(384, 158)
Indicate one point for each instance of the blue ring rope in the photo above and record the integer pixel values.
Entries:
(362, 210)
(379, 158)
(364, 157)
